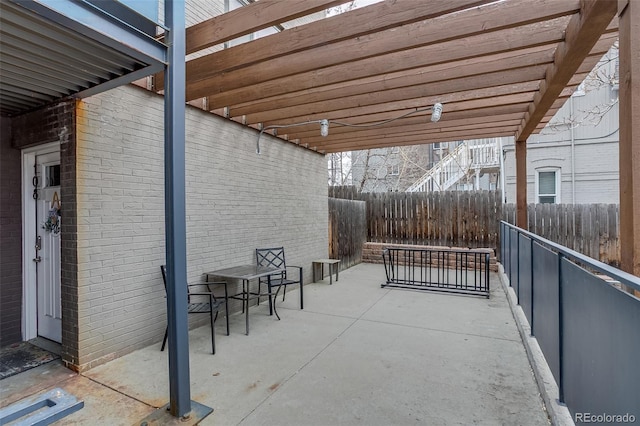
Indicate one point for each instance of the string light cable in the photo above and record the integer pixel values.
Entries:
(436, 113)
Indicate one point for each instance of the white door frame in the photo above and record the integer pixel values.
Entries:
(29, 233)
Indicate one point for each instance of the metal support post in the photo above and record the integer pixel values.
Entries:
(175, 212)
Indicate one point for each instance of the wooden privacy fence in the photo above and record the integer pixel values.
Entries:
(453, 218)
(590, 229)
(347, 231)
(471, 219)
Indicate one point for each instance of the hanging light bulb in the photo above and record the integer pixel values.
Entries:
(324, 128)
(436, 112)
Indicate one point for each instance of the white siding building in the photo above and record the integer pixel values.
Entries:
(574, 160)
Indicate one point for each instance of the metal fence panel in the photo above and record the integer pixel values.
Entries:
(591, 229)
(546, 305)
(601, 345)
(513, 260)
(586, 326)
(506, 235)
(524, 277)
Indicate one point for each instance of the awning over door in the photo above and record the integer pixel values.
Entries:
(53, 49)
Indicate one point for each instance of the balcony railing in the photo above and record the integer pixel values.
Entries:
(587, 327)
(477, 154)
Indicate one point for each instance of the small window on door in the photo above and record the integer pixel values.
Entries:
(548, 188)
(52, 175)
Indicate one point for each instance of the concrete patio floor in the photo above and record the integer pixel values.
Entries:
(357, 354)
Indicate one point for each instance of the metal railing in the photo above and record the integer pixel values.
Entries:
(484, 153)
(470, 155)
(587, 327)
(447, 270)
(445, 173)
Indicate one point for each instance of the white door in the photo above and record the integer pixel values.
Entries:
(47, 245)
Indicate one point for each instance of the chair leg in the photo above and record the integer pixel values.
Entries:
(226, 317)
(275, 298)
(213, 332)
(164, 341)
(226, 307)
(301, 298)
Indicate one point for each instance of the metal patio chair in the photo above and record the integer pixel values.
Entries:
(292, 275)
(198, 302)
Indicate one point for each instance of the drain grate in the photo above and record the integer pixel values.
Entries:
(41, 409)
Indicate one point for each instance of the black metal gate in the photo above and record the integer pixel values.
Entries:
(447, 270)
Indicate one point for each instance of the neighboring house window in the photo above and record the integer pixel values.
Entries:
(394, 170)
(548, 186)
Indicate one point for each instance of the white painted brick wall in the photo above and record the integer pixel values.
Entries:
(236, 201)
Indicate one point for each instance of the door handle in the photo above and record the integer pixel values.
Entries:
(38, 259)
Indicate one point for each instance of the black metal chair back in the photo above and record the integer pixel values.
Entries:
(274, 257)
(210, 305)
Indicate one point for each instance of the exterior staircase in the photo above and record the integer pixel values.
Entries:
(472, 156)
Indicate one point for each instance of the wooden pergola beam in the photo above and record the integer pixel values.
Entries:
(445, 72)
(453, 112)
(495, 84)
(481, 98)
(416, 140)
(582, 33)
(312, 74)
(255, 94)
(496, 66)
(260, 93)
(585, 69)
(248, 19)
(408, 132)
(352, 24)
(421, 120)
(439, 25)
(629, 156)
(245, 20)
(485, 85)
(319, 40)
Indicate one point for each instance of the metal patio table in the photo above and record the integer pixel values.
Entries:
(246, 273)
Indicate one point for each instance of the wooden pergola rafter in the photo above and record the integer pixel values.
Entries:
(501, 68)
(482, 59)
